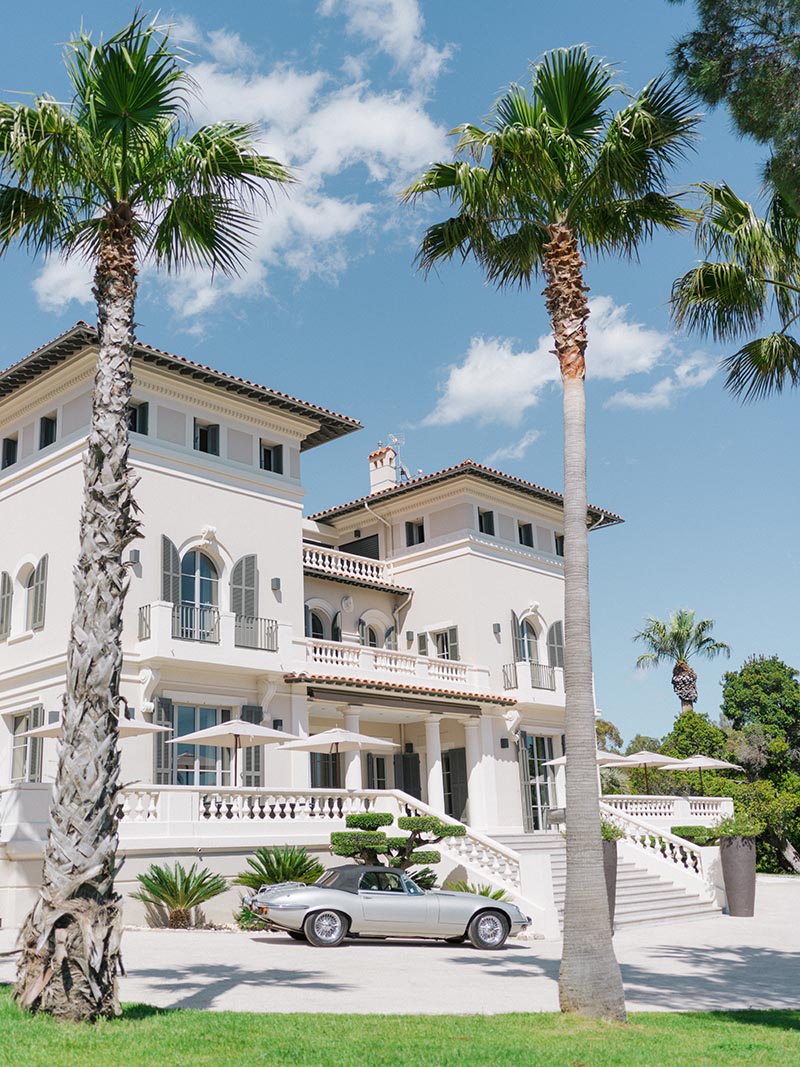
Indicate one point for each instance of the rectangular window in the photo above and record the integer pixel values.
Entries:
(10, 446)
(325, 770)
(138, 417)
(47, 430)
(446, 642)
(415, 533)
(525, 533)
(203, 765)
(376, 772)
(206, 437)
(422, 644)
(26, 752)
(559, 544)
(271, 458)
(486, 522)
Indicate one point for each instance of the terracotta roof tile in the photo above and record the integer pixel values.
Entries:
(398, 687)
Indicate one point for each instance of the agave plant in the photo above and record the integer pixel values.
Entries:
(269, 866)
(178, 890)
(481, 890)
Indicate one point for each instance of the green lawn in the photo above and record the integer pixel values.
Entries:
(148, 1037)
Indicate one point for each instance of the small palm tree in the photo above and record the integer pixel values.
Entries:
(270, 866)
(750, 273)
(480, 889)
(557, 175)
(114, 177)
(677, 641)
(178, 891)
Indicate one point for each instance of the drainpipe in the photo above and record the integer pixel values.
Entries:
(408, 597)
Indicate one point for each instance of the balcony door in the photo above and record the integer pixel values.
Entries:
(199, 598)
(200, 765)
(536, 780)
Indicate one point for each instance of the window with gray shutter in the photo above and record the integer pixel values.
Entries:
(452, 643)
(555, 644)
(244, 587)
(35, 751)
(516, 637)
(163, 753)
(6, 600)
(336, 627)
(37, 596)
(362, 632)
(390, 639)
(422, 644)
(251, 758)
(170, 572)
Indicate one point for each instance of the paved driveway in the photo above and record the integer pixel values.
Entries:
(715, 963)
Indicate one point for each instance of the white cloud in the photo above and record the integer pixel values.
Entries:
(61, 281)
(691, 373)
(493, 383)
(230, 49)
(515, 451)
(396, 28)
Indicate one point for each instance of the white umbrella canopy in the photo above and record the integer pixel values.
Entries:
(647, 760)
(125, 728)
(603, 758)
(706, 763)
(339, 740)
(235, 734)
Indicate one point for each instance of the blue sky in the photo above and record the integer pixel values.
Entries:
(358, 95)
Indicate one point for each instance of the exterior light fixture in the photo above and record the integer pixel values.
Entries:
(134, 556)
(496, 629)
(275, 585)
(409, 635)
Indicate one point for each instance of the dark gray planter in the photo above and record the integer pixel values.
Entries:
(610, 871)
(738, 858)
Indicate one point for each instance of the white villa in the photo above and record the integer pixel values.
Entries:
(428, 612)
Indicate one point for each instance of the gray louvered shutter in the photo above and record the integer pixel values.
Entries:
(244, 587)
(452, 643)
(6, 599)
(362, 631)
(163, 753)
(39, 593)
(336, 627)
(170, 572)
(35, 752)
(277, 459)
(555, 645)
(251, 757)
(516, 637)
(422, 644)
(307, 620)
(390, 639)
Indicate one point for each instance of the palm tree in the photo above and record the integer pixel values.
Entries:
(111, 176)
(677, 641)
(555, 175)
(750, 274)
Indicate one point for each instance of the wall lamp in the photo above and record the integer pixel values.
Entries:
(275, 585)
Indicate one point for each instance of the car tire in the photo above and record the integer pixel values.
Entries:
(325, 929)
(488, 929)
(456, 940)
(296, 935)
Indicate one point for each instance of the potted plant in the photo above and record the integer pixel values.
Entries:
(737, 852)
(610, 834)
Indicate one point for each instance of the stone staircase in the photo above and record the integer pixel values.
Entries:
(642, 896)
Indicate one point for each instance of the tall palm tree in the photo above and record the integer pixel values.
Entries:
(112, 176)
(677, 641)
(558, 174)
(749, 277)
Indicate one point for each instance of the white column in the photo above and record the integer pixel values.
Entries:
(300, 774)
(475, 777)
(433, 749)
(352, 760)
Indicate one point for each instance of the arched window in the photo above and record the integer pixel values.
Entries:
(527, 635)
(555, 644)
(371, 639)
(315, 625)
(35, 585)
(199, 597)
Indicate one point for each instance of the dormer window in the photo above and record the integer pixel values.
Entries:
(10, 449)
(486, 522)
(138, 417)
(271, 457)
(47, 430)
(415, 533)
(525, 533)
(206, 437)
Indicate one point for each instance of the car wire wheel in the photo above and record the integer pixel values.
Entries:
(488, 930)
(325, 928)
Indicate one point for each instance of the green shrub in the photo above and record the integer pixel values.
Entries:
(698, 835)
(369, 820)
(738, 825)
(246, 919)
(270, 866)
(609, 831)
(425, 878)
(430, 824)
(481, 890)
(178, 891)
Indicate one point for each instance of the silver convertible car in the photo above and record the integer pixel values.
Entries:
(380, 902)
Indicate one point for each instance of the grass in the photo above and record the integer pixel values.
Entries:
(147, 1037)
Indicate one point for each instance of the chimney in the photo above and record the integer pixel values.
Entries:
(382, 468)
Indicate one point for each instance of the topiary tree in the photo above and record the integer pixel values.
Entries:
(364, 841)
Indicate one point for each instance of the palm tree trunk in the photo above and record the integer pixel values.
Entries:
(589, 982)
(71, 940)
(684, 682)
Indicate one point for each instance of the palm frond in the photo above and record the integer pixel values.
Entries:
(763, 367)
(723, 299)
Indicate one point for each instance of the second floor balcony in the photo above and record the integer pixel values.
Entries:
(206, 634)
(358, 570)
(533, 682)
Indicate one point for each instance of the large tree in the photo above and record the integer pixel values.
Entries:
(764, 692)
(558, 174)
(748, 278)
(116, 177)
(676, 641)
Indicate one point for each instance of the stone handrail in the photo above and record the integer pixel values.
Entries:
(347, 565)
(674, 810)
(655, 843)
(345, 656)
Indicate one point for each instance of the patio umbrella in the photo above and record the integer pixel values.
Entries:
(235, 734)
(603, 758)
(125, 728)
(646, 759)
(708, 763)
(338, 740)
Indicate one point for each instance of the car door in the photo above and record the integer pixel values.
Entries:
(390, 909)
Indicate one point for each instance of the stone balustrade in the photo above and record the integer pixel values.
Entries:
(346, 565)
(668, 811)
(390, 664)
